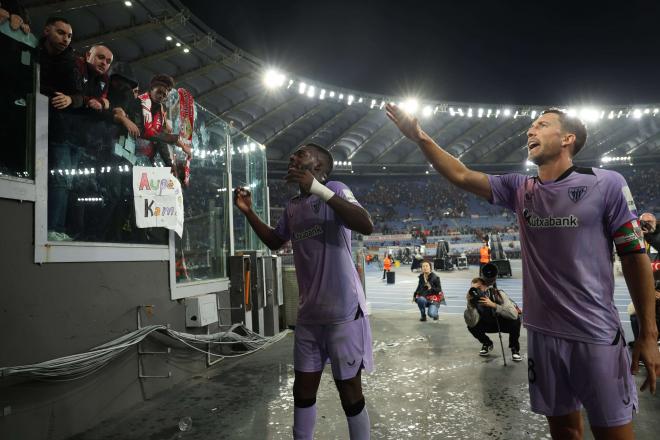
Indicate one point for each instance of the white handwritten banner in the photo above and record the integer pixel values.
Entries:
(158, 199)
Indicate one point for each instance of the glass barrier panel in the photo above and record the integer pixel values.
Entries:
(201, 253)
(17, 75)
(248, 169)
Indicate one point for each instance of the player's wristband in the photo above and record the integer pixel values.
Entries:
(319, 189)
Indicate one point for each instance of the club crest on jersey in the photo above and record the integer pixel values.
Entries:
(576, 193)
(316, 206)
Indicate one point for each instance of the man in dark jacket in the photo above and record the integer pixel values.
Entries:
(93, 69)
(428, 293)
(61, 82)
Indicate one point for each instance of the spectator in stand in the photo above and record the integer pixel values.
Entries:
(157, 128)
(61, 82)
(93, 69)
(123, 97)
(13, 11)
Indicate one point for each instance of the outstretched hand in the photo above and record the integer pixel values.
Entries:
(646, 350)
(304, 178)
(408, 124)
(243, 199)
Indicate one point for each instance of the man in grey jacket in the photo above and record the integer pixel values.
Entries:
(490, 310)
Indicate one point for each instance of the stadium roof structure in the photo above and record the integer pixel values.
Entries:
(282, 111)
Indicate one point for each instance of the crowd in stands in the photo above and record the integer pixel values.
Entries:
(99, 124)
(430, 206)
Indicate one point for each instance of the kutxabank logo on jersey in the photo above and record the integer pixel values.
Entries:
(534, 221)
(308, 233)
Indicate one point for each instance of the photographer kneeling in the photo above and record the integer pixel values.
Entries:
(428, 293)
(490, 310)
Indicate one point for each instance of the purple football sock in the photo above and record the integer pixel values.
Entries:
(304, 421)
(359, 426)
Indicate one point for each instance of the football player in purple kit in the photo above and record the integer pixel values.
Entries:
(332, 323)
(569, 218)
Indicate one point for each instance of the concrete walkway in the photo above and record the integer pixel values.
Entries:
(429, 383)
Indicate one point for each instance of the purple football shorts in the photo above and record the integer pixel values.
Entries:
(565, 375)
(346, 346)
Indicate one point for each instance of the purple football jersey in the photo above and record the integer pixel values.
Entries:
(329, 287)
(566, 235)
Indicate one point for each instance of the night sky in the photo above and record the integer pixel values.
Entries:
(503, 52)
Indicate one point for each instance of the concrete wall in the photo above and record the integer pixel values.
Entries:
(53, 310)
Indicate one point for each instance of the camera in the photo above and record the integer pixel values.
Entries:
(476, 295)
(646, 226)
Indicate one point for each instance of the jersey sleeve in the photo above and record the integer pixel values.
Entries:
(504, 188)
(343, 191)
(619, 204)
(282, 228)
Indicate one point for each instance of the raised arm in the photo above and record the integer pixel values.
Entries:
(444, 163)
(243, 201)
(637, 272)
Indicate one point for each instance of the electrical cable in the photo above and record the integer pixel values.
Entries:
(80, 365)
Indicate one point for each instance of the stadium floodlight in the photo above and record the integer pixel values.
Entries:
(489, 112)
(533, 114)
(655, 111)
(619, 114)
(168, 38)
(290, 84)
(571, 112)
(427, 171)
(460, 111)
(410, 106)
(273, 79)
(637, 113)
(360, 100)
(322, 94)
(331, 94)
(589, 114)
(178, 44)
(480, 112)
(311, 91)
(341, 96)
(382, 104)
(427, 111)
(128, 3)
(350, 99)
(350, 164)
(301, 88)
(610, 115)
(451, 111)
(373, 103)
(469, 112)
(647, 111)
(497, 113)
(506, 112)
(186, 50)
(384, 168)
